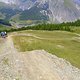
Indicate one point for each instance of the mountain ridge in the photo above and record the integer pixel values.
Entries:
(57, 11)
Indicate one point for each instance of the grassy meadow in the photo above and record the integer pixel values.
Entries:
(60, 43)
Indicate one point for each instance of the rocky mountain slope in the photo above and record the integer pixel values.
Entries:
(64, 10)
(34, 65)
(53, 10)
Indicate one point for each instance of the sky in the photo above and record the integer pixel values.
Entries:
(77, 1)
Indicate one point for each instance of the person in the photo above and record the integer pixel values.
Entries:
(3, 34)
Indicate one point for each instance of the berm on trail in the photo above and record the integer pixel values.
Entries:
(34, 65)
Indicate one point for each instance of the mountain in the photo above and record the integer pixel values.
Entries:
(3, 22)
(32, 15)
(64, 10)
(51, 10)
(7, 11)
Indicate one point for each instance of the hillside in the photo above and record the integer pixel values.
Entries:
(60, 43)
(56, 11)
(34, 65)
(39, 39)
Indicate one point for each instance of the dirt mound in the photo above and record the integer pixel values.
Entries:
(44, 66)
(34, 65)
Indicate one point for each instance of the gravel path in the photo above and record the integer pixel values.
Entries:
(34, 65)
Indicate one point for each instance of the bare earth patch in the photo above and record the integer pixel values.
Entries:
(60, 46)
(35, 65)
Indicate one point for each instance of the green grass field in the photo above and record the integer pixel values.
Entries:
(60, 43)
(3, 28)
(77, 30)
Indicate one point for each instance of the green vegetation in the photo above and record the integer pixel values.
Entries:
(69, 26)
(2, 16)
(5, 22)
(6, 61)
(33, 14)
(7, 11)
(4, 28)
(60, 43)
(63, 39)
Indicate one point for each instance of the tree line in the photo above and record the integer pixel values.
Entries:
(68, 26)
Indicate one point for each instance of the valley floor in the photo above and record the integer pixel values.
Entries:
(35, 65)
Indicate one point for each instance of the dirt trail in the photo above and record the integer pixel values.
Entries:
(34, 65)
(37, 37)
